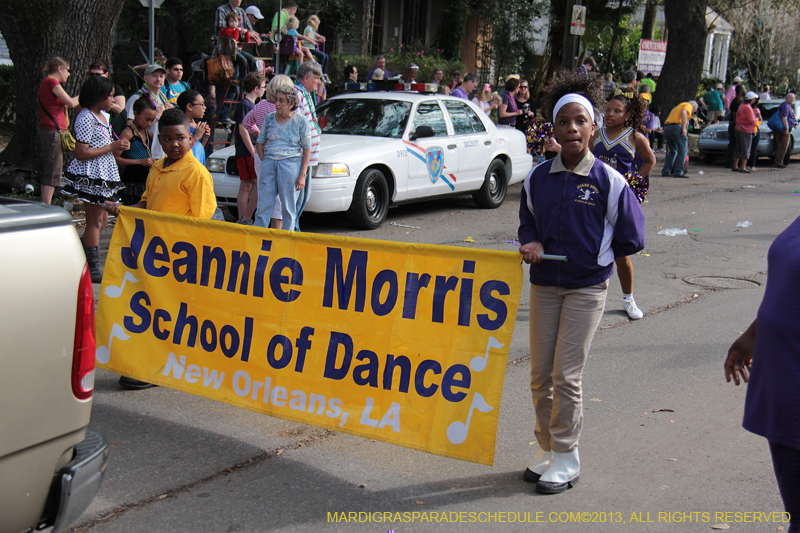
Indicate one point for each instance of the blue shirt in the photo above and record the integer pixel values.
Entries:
(283, 141)
(459, 93)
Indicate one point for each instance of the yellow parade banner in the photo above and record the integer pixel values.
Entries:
(403, 343)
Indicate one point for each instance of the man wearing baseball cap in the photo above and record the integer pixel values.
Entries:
(254, 15)
(154, 77)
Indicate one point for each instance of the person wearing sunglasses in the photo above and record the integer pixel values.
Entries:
(173, 87)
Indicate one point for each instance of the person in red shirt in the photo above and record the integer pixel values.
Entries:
(745, 126)
(53, 101)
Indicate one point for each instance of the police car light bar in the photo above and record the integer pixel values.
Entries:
(396, 86)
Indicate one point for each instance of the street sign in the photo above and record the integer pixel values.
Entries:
(651, 56)
(578, 24)
(156, 3)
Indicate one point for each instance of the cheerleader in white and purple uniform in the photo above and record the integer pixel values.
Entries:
(620, 144)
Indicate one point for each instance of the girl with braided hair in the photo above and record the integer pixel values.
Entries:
(620, 145)
(579, 207)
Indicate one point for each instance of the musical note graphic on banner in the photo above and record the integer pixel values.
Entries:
(479, 363)
(115, 292)
(103, 354)
(457, 431)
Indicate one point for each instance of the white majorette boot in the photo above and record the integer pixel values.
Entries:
(539, 465)
(562, 474)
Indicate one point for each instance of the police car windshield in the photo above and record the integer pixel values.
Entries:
(364, 116)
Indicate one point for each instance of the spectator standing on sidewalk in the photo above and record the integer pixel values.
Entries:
(732, 92)
(588, 66)
(732, 139)
(608, 86)
(786, 111)
(745, 122)
(380, 63)
(308, 77)
(751, 161)
(783, 89)
(713, 100)
(464, 90)
(676, 133)
(53, 104)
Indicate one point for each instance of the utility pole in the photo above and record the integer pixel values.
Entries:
(570, 39)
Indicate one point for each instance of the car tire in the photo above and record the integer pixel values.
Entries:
(493, 191)
(233, 211)
(370, 200)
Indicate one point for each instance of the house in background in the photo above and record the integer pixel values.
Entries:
(5, 58)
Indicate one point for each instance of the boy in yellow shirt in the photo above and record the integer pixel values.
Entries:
(179, 183)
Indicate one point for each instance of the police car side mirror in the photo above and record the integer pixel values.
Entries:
(422, 131)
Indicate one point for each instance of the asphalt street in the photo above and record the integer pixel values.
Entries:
(662, 447)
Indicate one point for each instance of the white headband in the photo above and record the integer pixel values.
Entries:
(574, 98)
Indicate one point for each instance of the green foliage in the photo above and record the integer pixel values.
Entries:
(625, 53)
(449, 34)
(7, 93)
(396, 60)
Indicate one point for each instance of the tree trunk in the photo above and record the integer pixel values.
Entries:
(80, 31)
(614, 36)
(556, 38)
(366, 27)
(683, 65)
(649, 22)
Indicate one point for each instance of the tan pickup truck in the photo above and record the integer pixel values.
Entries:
(50, 466)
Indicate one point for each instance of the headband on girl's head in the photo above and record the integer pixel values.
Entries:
(574, 98)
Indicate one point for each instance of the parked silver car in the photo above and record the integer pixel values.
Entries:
(713, 140)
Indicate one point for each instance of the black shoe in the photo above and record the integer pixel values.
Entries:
(93, 260)
(134, 384)
(550, 487)
(529, 476)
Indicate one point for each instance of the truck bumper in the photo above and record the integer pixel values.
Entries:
(75, 486)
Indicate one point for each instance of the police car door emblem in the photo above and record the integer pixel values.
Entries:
(435, 160)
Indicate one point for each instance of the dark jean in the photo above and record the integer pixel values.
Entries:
(751, 162)
(786, 462)
(322, 59)
(677, 148)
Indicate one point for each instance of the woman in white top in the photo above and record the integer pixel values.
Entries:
(483, 99)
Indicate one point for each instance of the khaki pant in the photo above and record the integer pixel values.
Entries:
(781, 144)
(562, 326)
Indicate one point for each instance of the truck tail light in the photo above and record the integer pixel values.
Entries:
(83, 357)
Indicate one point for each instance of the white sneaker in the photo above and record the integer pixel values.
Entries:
(630, 307)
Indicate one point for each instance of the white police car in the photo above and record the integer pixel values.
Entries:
(387, 148)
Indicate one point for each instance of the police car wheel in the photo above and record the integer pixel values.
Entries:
(493, 192)
(370, 200)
